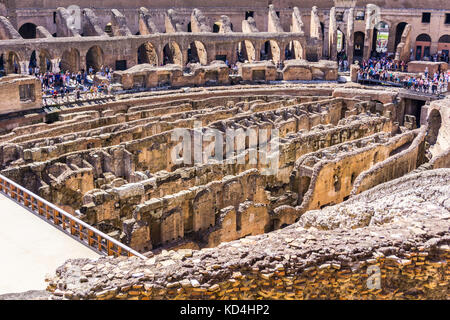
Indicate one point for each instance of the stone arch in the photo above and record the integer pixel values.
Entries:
(358, 44)
(45, 61)
(147, 54)
(294, 50)
(197, 53)
(380, 38)
(271, 51)
(94, 58)
(12, 64)
(172, 54)
(246, 51)
(444, 44)
(70, 60)
(423, 37)
(398, 33)
(28, 30)
(434, 125)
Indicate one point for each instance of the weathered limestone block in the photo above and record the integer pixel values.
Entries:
(199, 23)
(297, 70)
(146, 23)
(297, 23)
(324, 255)
(225, 24)
(403, 51)
(91, 24)
(66, 26)
(129, 190)
(273, 22)
(7, 31)
(258, 71)
(119, 24)
(41, 32)
(354, 69)
(137, 234)
(249, 26)
(172, 22)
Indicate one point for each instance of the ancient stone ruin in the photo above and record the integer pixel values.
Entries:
(275, 182)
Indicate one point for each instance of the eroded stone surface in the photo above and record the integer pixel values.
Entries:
(410, 246)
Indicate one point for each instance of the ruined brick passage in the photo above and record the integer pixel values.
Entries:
(113, 165)
(395, 246)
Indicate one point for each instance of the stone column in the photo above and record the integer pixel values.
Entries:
(282, 47)
(258, 51)
(350, 34)
(325, 45)
(184, 56)
(24, 67)
(55, 65)
(332, 35)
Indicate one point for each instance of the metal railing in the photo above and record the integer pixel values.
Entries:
(77, 229)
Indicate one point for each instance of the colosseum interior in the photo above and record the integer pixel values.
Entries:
(360, 181)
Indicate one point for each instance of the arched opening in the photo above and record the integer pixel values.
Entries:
(45, 61)
(70, 60)
(398, 33)
(380, 39)
(246, 51)
(147, 54)
(28, 31)
(189, 27)
(423, 45)
(293, 50)
(216, 27)
(108, 29)
(172, 54)
(271, 51)
(32, 64)
(94, 59)
(197, 53)
(322, 31)
(444, 47)
(358, 47)
(434, 124)
(2, 65)
(12, 63)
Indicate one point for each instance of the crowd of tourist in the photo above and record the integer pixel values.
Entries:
(71, 86)
(387, 70)
(442, 56)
